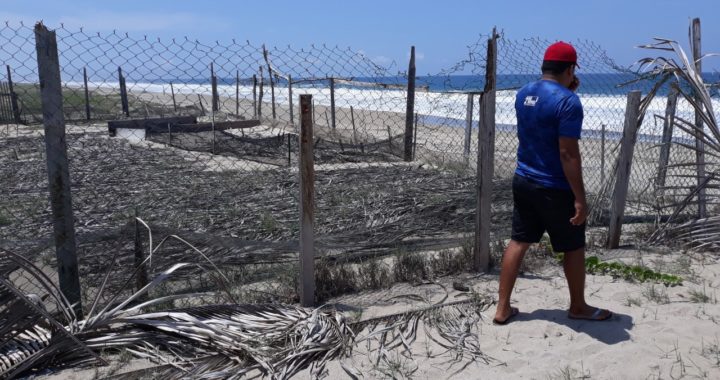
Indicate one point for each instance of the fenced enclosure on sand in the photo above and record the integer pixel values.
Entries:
(144, 139)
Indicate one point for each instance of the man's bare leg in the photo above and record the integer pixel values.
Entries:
(512, 258)
(574, 267)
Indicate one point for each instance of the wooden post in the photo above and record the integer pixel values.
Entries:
(699, 145)
(415, 135)
(290, 100)
(87, 95)
(255, 85)
(202, 107)
(352, 120)
(410, 108)
(213, 83)
(260, 94)
(172, 92)
(5, 107)
(237, 93)
(123, 93)
(332, 101)
(468, 127)
(289, 149)
(57, 165)
(272, 94)
(13, 97)
(602, 155)
(141, 269)
(622, 179)
(485, 160)
(307, 204)
(272, 82)
(327, 118)
(668, 123)
(389, 137)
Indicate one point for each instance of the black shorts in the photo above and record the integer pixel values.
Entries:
(538, 209)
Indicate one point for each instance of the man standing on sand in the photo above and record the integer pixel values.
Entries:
(548, 190)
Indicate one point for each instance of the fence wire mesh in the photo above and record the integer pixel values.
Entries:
(201, 141)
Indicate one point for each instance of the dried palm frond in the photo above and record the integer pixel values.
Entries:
(29, 335)
(703, 233)
(209, 342)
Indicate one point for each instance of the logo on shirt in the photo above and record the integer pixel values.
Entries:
(530, 101)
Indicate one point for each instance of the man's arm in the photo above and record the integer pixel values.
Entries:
(572, 166)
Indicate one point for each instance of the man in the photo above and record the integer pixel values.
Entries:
(548, 190)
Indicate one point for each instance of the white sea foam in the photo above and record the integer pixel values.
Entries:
(450, 108)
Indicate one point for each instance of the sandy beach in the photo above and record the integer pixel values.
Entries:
(656, 332)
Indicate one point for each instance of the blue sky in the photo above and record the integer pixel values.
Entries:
(384, 30)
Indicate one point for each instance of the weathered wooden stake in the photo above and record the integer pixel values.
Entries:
(307, 204)
(668, 123)
(289, 149)
(622, 180)
(410, 108)
(332, 101)
(290, 99)
(352, 120)
(87, 95)
(172, 92)
(486, 159)
(213, 83)
(271, 73)
(272, 93)
(468, 127)
(699, 145)
(602, 155)
(202, 107)
(57, 165)
(390, 137)
(255, 85)
(417, 117)
(237, 93)
(13, 97)
(141, 279)
(123, 93)
(260, 94)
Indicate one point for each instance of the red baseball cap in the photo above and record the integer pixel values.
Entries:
(561, 51)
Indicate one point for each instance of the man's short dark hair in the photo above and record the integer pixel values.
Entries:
(555, 67)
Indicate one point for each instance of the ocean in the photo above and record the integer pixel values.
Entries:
(603, 97)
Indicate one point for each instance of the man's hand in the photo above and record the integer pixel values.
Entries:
(572, 166)
(581, 213)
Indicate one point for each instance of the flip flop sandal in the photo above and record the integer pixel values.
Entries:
(513, 313)
(596, 315)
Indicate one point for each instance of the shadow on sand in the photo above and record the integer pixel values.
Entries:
(612, 331)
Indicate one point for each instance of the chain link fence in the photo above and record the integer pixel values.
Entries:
(200, 141)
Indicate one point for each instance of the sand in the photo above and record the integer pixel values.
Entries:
(654, 334)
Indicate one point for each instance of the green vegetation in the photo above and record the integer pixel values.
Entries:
(73, 102)
(638, 273)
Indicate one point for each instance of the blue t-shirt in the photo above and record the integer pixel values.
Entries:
(546, 110)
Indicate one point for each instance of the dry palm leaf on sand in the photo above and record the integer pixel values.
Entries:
(222, 341)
